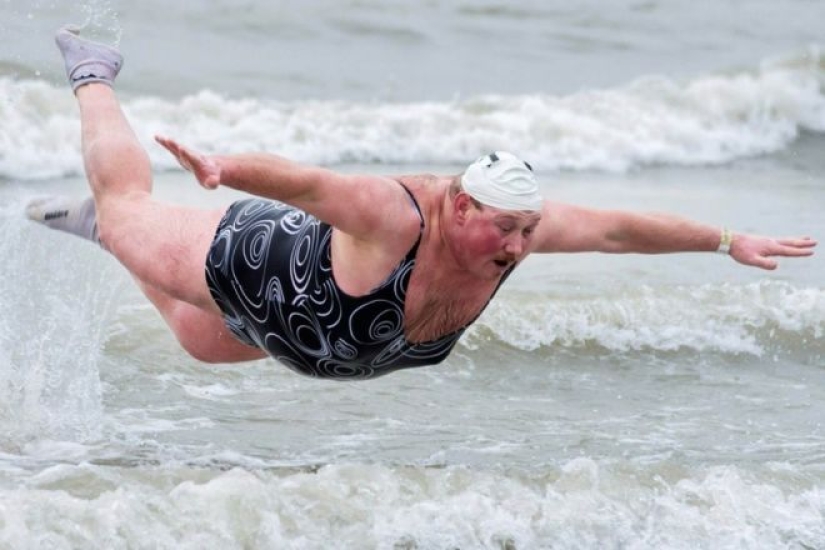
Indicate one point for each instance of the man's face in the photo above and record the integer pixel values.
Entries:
(494, 240)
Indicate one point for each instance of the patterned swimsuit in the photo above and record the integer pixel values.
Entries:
(269, 270)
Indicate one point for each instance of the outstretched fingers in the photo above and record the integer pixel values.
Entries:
(183, 155)
(205, 169)
(760, 251)
(801, 246)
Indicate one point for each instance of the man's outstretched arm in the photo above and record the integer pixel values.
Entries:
(569, 228)
(360, 205)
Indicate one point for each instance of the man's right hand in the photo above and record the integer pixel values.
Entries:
(206, 170)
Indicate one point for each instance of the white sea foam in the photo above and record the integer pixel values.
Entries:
(582, 504)
(753, 318)
(212, 392)
(713, 119)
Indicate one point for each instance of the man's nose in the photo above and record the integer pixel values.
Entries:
(514, 245)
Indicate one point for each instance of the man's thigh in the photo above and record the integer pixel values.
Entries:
(162, 245)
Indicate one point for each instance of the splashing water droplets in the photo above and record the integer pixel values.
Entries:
(102, 22)
(51, 336)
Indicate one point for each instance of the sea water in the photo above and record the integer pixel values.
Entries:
(618, 402)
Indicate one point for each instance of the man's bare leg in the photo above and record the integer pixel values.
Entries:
(203, 335)
(163, 246)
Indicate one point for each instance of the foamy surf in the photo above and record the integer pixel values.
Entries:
(405, 508)
(758, 318)
(709, 120)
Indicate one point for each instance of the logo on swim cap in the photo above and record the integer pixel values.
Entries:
(502, 180)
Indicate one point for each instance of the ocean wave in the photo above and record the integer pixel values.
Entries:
(712, 119)
(758, 318)
(581, 504)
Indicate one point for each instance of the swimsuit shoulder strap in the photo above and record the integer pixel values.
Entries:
(414, 203)
(414, 249)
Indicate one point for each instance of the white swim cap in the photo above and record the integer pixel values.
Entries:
(502, 180)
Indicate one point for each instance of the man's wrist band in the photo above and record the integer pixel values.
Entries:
(725, 241)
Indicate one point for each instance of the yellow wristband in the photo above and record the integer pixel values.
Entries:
(725, 241)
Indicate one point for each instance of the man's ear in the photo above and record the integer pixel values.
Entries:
(462, 204)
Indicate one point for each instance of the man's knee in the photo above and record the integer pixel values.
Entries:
(220, 348)
(198, 352)
(194, 330)
(205, 337)
(120, 217)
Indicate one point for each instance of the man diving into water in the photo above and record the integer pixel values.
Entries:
(336, 276)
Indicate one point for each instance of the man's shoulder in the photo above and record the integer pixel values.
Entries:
(424, 180)
(426, 189)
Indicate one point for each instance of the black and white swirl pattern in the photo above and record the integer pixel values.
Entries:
(270, 272)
